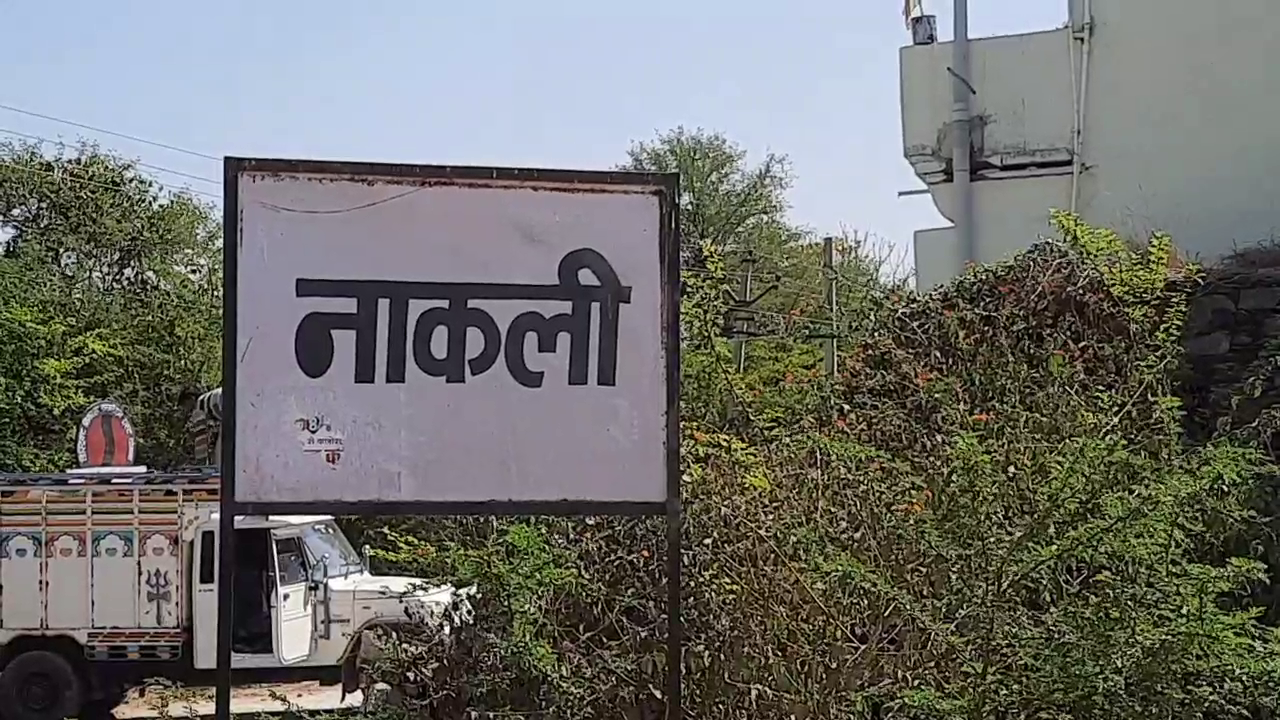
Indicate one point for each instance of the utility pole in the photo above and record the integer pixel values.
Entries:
(829, 285)
(741, 323)
(744, 296)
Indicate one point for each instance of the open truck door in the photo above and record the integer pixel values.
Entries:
(293, 607)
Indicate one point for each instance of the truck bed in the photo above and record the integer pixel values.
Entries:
(100, 557)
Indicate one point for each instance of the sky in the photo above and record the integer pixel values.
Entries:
(559, 83)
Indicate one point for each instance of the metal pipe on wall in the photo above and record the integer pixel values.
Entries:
(1084, 35)
(962, 141)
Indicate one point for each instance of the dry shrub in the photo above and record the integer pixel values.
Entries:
(991, 513)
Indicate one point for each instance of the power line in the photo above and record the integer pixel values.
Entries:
(85, 181)
(156, 168)
(113, 133)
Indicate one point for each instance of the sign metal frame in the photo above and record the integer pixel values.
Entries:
(664, 185)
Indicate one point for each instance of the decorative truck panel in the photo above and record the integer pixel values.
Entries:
(100, 558)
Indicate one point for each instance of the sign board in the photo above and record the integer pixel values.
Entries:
(441, 340)
(451, 335)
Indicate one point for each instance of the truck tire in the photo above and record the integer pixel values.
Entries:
(40, 685)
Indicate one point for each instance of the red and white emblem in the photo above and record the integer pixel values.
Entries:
(106, 437)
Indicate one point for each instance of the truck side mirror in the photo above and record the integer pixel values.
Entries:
(365, 553)
(320, 571)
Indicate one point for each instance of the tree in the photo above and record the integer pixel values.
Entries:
(725, 202)
(736, 210)
(110, 286)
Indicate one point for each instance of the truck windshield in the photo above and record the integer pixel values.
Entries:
(324, 538)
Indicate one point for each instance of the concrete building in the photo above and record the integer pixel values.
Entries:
(1154, 114)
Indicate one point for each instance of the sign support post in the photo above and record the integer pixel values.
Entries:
(675, 625)
(427, 340)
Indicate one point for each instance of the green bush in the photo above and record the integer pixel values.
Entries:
(991, 512)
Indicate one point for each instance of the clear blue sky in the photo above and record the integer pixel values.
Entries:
(555, 83)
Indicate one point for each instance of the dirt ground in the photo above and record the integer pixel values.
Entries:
(198, 702)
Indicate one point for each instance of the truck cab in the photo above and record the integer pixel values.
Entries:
(302, 594)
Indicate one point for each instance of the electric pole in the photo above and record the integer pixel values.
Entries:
(744, 296)
(829, 285)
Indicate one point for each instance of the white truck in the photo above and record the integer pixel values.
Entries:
(108, 577)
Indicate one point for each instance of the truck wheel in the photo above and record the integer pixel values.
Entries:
(40, 685)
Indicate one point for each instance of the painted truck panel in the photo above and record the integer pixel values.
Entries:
(102, 561)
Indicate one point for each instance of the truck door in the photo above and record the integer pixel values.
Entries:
(204, 597)
(293, 610)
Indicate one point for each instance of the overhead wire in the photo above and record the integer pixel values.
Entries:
(125, 136)
(107, 186)
(113, 133)
(148, 166)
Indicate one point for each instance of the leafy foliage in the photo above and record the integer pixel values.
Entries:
(1001, 520)
(108, 288)
(725, 203)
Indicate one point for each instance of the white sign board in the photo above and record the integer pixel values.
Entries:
(415, 338)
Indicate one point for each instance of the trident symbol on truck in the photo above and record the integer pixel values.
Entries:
(158, 583)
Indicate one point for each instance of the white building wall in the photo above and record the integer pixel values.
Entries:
(1181, 130)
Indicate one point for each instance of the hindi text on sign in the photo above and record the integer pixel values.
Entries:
(314, 343)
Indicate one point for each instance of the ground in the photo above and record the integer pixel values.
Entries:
(252, 699)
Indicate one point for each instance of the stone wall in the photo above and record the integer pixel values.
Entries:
(1232, 328)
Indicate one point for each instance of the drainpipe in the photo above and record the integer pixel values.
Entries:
(961, 139)
(1085, 37)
